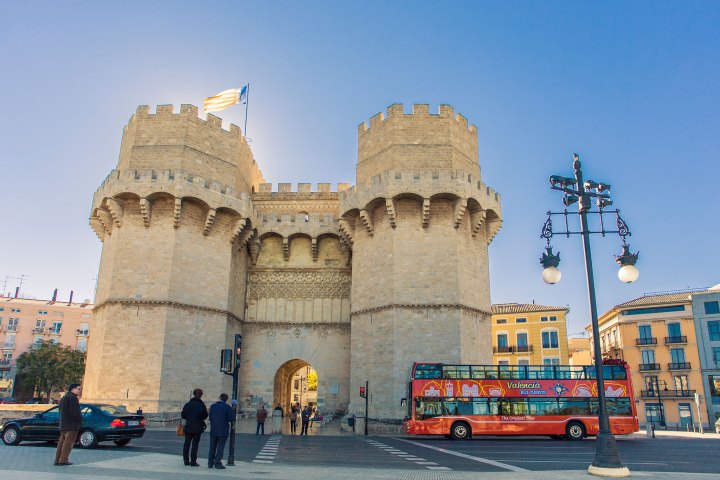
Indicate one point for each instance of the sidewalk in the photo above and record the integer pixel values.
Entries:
(672, 433)
(32, 463)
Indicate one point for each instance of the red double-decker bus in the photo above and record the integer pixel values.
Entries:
(560, 401)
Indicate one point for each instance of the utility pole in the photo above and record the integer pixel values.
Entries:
(234, 355)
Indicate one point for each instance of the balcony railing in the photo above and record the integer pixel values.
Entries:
(514, 349)
(679, 366)
(668, 393)
(39, 330)
(9, 345)
(5, 364)
(54, 331)
(82, 333)
(11, 328)
(671, 340)
(648, 367)
(646, 341)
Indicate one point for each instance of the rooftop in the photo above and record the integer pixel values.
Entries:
(511, 308)
(58, 303)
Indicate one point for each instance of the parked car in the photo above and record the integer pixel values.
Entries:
(8, 400)
(100, 423)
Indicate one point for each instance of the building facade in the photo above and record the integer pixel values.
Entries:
(25, 322)
(529, 334)
(357, 282)
(655, 335)
(706, 315)
(579, 352)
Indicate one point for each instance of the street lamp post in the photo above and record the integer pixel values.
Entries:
(607, 459)
(230, 360)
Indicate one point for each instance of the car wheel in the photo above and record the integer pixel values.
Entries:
(87, 439)
(575, 431)
(122, 443)
(11, 436)
(460, 431)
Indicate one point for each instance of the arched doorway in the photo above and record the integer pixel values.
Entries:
(295, 381)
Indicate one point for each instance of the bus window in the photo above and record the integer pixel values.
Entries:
(563, 372)
(574, 406)
(428, 370)
(480, 406)
(456, 371)
(428, 408)
(535, 373)
(518, 406)
(618, 406)
(505, 372)
(542, 406)
(494, 406)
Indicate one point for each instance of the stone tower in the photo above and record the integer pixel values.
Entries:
(174, 217)
(419, 221)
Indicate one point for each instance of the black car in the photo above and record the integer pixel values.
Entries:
(100, 423)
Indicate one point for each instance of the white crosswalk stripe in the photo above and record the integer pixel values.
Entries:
(268, 451)
(408, 456)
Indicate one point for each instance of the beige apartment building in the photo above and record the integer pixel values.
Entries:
(579, 352)
(25, 322)
(655, 335)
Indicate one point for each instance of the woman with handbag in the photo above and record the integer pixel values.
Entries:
(194, 412)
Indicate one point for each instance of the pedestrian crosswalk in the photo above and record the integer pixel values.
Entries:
(408, 456)
(269, 450)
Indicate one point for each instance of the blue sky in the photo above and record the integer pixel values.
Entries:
(631, 86)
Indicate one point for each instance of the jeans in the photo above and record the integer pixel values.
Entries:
(303, 431)
(217, 447)
(293, 427)
(190, 454)
(260, 427)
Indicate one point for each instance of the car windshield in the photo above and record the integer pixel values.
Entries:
(113, 410)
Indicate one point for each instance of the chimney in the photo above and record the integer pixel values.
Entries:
(71, 295)
(17, 292)
(54, 295)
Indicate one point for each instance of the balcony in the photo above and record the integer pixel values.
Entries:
(646, 341)
(674, 340)
(668, 393)
(679, 366)
(516, 349)
(5, 364)
(81, 333)
(39, 330)
(54, 331)
(9, 345)
(649, 367)
(11, 328)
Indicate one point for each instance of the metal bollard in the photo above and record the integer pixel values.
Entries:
(652, 426)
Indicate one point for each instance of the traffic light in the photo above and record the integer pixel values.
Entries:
(362, 392)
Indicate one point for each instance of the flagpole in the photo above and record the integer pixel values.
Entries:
(247, 102)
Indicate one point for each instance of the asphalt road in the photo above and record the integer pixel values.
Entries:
(485, 454)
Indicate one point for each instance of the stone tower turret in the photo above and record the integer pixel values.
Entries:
(419, 221)
(174, 218)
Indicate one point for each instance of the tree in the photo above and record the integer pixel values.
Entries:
(47, 366)
(312, 380)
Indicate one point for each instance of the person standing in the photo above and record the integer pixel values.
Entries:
(293, 421)
(221, 415)
(194, 412)
(305, 416)
(70, 424)
(261, 415)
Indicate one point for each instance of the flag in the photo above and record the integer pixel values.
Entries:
(224, 99)
(243, 94)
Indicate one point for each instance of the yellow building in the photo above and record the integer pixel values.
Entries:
(529, 334)
(579, 352)
(655, 335)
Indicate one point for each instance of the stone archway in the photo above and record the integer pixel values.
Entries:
(282, 385)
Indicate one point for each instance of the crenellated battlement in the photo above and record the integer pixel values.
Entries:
(419, 111)
(158, 177)
(187, 111)
(301, 188)
(418, 140)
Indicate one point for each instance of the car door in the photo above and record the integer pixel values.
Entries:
(45, 426)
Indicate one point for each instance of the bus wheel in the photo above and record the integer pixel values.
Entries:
(574, 431)
(460, 431)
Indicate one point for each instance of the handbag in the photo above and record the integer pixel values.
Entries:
(180, 430)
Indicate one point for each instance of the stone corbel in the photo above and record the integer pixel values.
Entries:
(105, 219)
(314, 246)
(239, 225)
(176, 212)
(367, 222)
(493, 227)
(478, 221)
(116, 211)
(209, 221)
(244, 238)
(98, 228)
(286, 248)
(426, 212)
(145, 211)
(254, 250)
(390, 207)
(347, 230)
(459, 211)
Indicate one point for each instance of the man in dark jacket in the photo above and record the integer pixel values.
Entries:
(194, 412)
(70, 424)
(221, 415)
